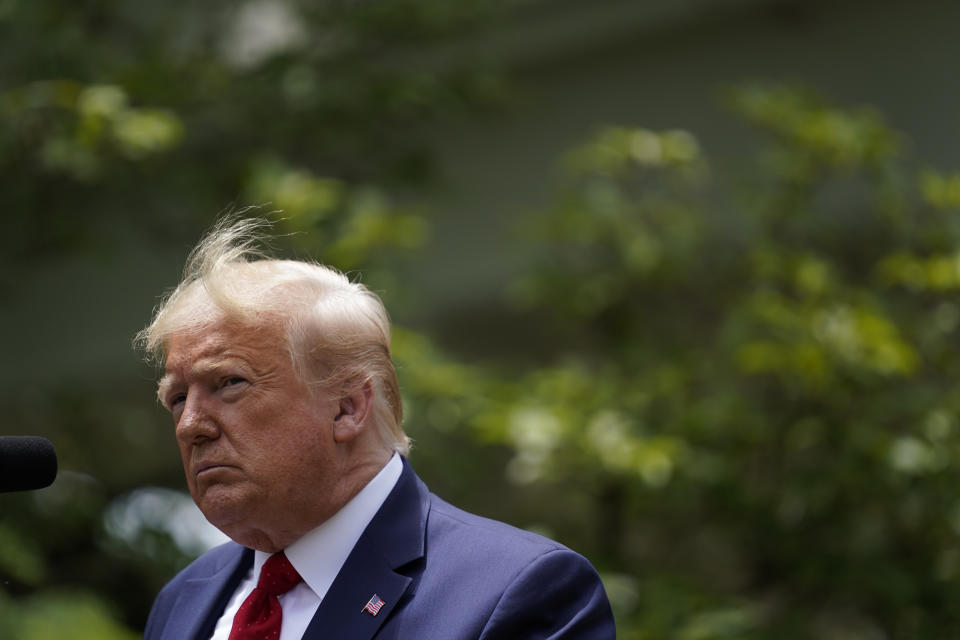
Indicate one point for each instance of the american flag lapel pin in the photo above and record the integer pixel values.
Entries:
(373, 605)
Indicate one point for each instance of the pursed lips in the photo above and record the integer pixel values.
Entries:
(203, 467)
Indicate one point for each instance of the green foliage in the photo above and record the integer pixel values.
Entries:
(753, 387)
(73, 129)
(50, 615)
(20, 559)
(151, 119)
(126, 127)
(747, 414)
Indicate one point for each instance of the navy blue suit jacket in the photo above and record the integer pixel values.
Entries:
(442, 573)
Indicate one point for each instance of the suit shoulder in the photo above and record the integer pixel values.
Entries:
(521, 585)
(457, 526)
(501, 582)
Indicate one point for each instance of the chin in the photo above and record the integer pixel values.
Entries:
(223, 509)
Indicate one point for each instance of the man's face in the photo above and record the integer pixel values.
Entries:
(258, 448)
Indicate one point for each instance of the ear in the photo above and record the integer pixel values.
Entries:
(356, 406)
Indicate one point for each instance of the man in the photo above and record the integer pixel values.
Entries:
(288, 419)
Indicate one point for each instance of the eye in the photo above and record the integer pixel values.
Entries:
(232, 386)
(175, 401)
(232, 381)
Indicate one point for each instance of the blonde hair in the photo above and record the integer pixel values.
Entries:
(337, 331)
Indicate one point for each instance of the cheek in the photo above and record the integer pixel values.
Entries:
(184, 453)
(303, 450)
(185, 459)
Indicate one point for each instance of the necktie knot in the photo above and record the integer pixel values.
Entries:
(260, 616)
(277, 575)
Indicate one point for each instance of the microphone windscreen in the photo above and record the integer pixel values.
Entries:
(26, 463)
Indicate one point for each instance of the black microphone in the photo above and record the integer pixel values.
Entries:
(26, 463)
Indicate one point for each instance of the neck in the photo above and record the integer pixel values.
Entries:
(352, 480)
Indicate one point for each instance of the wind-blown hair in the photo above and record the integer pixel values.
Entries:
(337, 332)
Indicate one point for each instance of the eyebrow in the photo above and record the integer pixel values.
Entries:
(201, 368)
(163, 386)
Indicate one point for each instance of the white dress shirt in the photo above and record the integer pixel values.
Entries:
(318, 557)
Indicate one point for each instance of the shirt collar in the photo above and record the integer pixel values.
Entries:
(319, 555)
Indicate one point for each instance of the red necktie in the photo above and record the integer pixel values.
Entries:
(260, 615)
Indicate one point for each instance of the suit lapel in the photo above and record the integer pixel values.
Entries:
(394, 538)
(201, 601)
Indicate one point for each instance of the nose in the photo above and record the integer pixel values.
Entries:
(196, 422)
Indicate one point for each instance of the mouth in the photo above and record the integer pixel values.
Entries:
(209, 467)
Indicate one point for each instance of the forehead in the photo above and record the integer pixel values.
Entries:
(207, 345)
